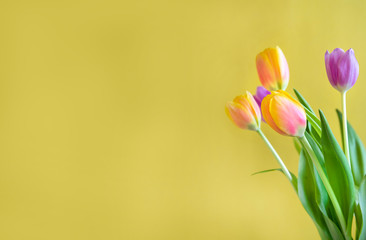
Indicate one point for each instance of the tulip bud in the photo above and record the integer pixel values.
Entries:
(244, 112)
(273, 69)
(342, 69)
(284, 114)
(259, 95)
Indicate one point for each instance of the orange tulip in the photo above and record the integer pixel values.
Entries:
(273, 69)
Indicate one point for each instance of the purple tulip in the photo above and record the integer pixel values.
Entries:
(342, 69)
(259, 95)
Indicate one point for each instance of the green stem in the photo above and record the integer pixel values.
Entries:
(327, 185)
(279, 160)
(345, 129)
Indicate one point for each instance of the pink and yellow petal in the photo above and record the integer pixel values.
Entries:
(248, 101)
(267, 115)
(273, 69)
(266, 72)
(241, 116)
(288, 116)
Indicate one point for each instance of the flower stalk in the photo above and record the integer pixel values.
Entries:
(345, 128)
(275, 154)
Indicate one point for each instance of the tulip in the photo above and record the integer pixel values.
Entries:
(342, 69)
(273, 69)
(244, 112)
(259, 95)
(284, 114)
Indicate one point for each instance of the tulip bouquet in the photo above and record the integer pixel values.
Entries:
(331, 180)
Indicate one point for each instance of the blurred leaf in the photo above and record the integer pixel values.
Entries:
(307, 189)
(332, 228)
(322, 197)
(362, 202)
(268, 170)
(303, 101)
(339, 172)
(313, 120)
(297, 145)
(294, 178)
(357, 152)
(316, 136)
(359, 220)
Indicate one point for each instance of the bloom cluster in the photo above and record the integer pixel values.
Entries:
(331, 182)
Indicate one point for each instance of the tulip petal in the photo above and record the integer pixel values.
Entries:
(258, 97)
(342, 69)
(260, 94)
(244, 112)
(238, 114)
(267, 115)
(272, 69)
(288, 115)
(266, 72)
(348, 70)
(283, 68)
(331, 61)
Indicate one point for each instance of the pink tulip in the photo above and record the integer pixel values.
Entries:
(284, 114)
(244, 112)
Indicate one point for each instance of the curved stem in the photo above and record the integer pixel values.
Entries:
(279, 160)
(327, 185)
(345, 129)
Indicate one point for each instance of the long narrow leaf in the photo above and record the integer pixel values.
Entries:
(307, 194)
(303, 101)
(268, 170)
(357, 152)
(359, 220)
(294, 178)
(362, 202)
(332, 228)
(315, 129)
(339, 172)
(297, 145)
(322, 197)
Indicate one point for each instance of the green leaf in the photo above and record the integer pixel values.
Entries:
(297, 145)
(359, 220)
(294, 178)
(316, 136)
(338, 171)
(332, 228)
(362, 202)
(307, 191)
(303, 101)
(322, 197)
(357, 152)
(313, 120)
(315, 147)
(268, 170)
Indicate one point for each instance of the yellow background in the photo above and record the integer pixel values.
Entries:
(112, 121)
